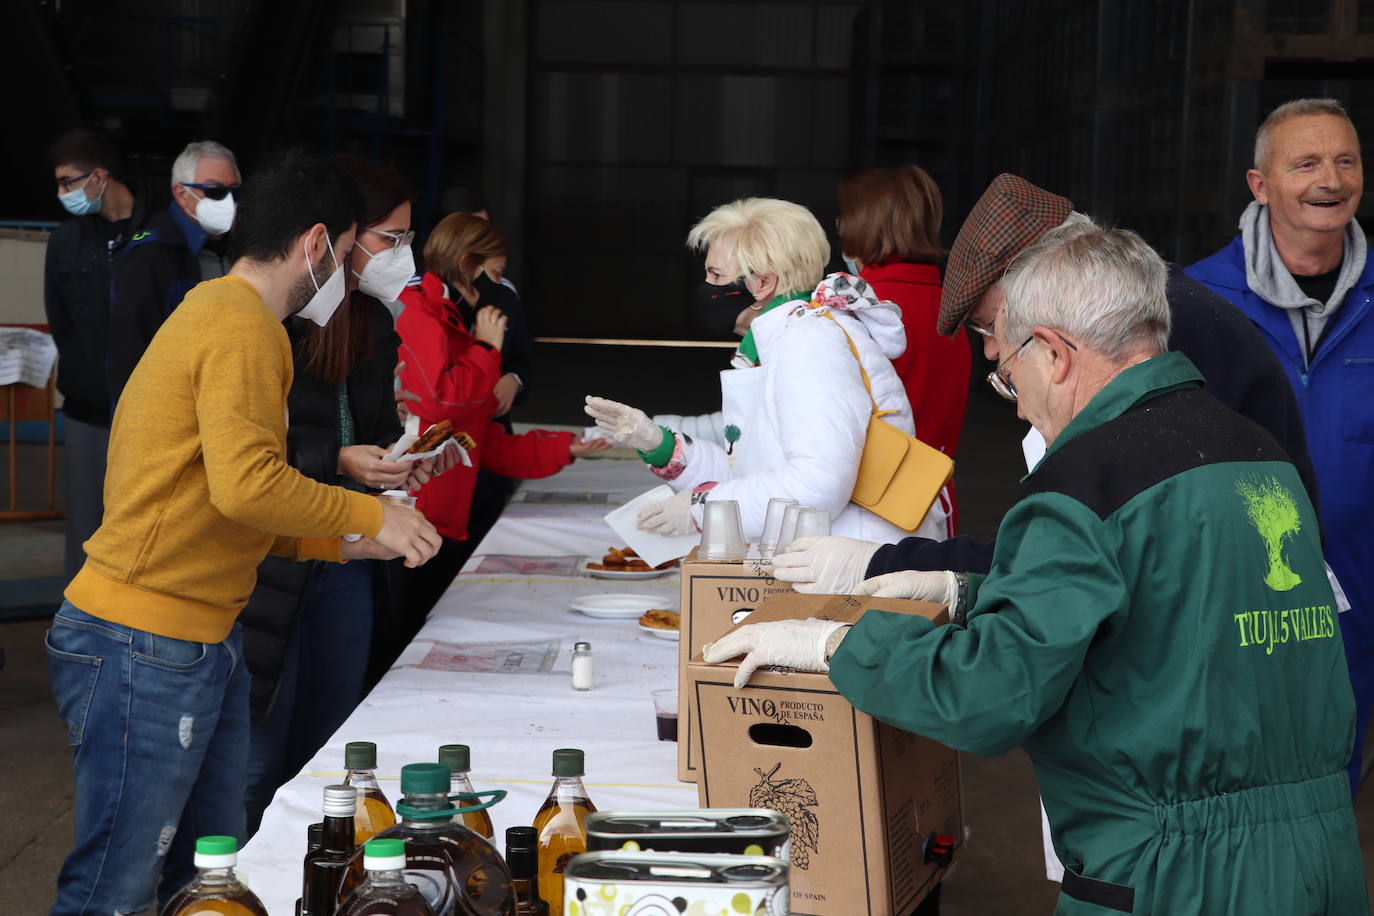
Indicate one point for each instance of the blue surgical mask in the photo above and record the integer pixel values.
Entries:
(849, 265)
(77, 203)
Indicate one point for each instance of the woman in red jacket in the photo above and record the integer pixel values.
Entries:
(889, 229)
(453, 371)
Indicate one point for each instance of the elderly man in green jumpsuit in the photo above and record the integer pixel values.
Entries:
(1157, 629)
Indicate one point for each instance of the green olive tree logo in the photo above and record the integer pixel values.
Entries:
(1274, 513)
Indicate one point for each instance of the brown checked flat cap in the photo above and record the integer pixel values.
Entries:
(1011, 214)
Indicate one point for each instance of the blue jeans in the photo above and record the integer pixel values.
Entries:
(159, 736)
(321, 680)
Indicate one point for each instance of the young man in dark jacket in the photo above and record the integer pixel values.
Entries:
(76, 296)
(175, 250)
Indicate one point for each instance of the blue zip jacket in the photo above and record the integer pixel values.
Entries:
(1336, 397)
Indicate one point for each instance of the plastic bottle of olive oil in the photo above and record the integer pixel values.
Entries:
(385, 891)
(458, 758)
(562, 824)
(215, 888)
(457, 871)
(375, 813)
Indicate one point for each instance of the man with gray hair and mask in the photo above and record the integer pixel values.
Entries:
(1156, 601)
(177, 248)
(1300, 270)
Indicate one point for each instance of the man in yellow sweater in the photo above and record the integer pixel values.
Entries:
(145, 656)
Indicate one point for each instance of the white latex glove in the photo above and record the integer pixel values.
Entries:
(624, 424)
(669, 516)
(796, 644)
(828, 565)
(939, 586)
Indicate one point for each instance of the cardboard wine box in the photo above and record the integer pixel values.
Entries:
(862, 796)
(714, 596)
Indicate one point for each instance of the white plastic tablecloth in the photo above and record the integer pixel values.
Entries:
(513, 722)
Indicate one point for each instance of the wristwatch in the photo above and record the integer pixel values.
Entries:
(832, 644)
(959, 613)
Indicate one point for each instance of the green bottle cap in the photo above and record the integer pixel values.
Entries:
(217, 846)
(457, 757)
(384, 849)
(568, 761)
(360, 755)
(425, 779)
(384, 855)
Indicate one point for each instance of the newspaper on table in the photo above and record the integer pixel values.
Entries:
(27, 356)
(531, 657)
(520, 565)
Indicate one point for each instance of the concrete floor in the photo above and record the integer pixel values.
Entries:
(1000, 870)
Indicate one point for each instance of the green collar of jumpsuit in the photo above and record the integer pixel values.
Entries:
(750, 350)
(1141, 382)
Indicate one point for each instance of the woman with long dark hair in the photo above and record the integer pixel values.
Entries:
(307, 626)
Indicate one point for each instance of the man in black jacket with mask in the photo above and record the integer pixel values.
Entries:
(104, 212)
(177, 248)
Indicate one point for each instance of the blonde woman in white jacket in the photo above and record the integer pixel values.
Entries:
(794, 409)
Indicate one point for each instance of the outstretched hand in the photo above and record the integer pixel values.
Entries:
(624, 424)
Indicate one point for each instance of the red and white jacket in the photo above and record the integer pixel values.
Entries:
(454, 373)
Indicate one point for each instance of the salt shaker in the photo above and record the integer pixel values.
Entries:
(582, 666)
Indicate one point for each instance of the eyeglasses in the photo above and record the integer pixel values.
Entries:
(978, 328)
(397, 239)
(66, 183)
(999, 379)
(213, 191)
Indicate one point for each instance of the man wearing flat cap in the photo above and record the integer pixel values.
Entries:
(1239, 368)
(1154, 625)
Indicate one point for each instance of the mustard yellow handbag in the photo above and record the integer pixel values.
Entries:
(899, 475)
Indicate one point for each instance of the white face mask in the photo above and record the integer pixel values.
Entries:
(216, 216)
(386, 273)
(325, 302)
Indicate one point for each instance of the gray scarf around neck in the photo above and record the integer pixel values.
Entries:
(1267, 276)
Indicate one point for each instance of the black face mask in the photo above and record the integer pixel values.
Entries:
(719, 306)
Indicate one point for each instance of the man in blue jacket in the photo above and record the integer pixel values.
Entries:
(1300, 269)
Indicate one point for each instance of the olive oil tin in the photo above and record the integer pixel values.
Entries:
(739, 831)
(674, 884)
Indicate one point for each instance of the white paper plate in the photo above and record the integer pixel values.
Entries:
(620, 607)
(661, 634)
(629, 573)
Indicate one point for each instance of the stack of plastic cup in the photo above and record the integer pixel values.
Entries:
(722, 534)
(772, 526)
(788, 532)
(812, 523)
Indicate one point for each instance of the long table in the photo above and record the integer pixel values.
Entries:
(513, 701)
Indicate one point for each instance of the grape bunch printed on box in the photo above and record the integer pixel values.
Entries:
(794, 798)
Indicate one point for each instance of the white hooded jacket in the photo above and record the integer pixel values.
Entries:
(801, 416)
